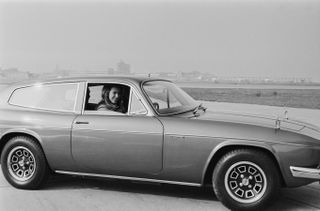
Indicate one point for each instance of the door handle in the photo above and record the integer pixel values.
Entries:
(82, 123)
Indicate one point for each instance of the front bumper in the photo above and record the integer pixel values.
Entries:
(310, 173)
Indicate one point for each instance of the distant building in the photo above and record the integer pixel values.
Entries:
(123, 68)
(32, 75)
(111, 71)
(9, 71)
(10, 75)
(2, 79)
(191, 76)
(166, 75)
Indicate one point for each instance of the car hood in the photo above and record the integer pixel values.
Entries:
(278, 122)
(237, 117)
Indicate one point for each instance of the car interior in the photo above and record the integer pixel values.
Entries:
(93, 95)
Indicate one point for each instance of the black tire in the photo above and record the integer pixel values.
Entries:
(245, 179)
(23, 163)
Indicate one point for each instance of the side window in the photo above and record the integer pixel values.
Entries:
(107, 98)
(56, 97)
(136, 107)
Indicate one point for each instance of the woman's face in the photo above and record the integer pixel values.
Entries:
(114, 95)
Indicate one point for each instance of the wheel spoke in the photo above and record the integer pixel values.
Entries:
(15, 167)
(233, 184)
(242, 169)
(249, 194)
(258, 178)
(239, 192)
(14, 159)
(20, 173)
(19, 153)
(26, 173)
(234, 175)
(257, 188)
(25, 153)
(251, 170)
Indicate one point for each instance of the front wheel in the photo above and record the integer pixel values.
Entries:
(245, 179)
(23, 163)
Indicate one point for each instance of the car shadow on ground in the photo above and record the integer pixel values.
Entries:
(64, 182)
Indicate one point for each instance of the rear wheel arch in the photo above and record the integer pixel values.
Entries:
(8, 136)
(218, 154)
(24, 163)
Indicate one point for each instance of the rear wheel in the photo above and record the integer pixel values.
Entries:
(245, 179)
(23, 163)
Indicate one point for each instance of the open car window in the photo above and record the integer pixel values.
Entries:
(107, 98)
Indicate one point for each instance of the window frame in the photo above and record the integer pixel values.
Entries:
(108, 113)
(130, 113)
(150, 101)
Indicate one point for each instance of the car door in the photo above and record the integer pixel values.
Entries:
(127, 144)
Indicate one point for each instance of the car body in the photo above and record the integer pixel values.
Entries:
(163, 136)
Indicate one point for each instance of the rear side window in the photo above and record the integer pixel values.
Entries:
(56, 97)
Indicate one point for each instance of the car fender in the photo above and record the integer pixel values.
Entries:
(239, 144)
(23, 131)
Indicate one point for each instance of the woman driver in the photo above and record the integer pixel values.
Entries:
(111, 99)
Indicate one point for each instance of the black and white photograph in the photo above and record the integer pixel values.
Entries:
(159, 105)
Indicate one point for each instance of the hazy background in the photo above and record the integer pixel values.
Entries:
(228, 38)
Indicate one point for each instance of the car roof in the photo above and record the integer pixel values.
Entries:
(87, 78)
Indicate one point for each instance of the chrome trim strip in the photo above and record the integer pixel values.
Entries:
(310, 173)
(233, 138)
(84, 97)
(127, 178)
(120, 131)
(129, 102)
(76, 98)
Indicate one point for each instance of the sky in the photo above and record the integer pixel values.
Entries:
(229, 38)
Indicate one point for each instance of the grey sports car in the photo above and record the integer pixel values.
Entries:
(150, 130)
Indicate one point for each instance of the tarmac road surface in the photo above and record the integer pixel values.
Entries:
(77, 193)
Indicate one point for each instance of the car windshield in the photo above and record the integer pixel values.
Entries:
(167, 98)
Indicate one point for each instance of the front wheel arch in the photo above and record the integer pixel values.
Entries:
(206, 180)
(245, 179)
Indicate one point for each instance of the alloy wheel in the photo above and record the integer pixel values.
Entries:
(21, 163)
(245, 182)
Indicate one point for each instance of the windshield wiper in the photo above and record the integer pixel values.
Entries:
(199, 107)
